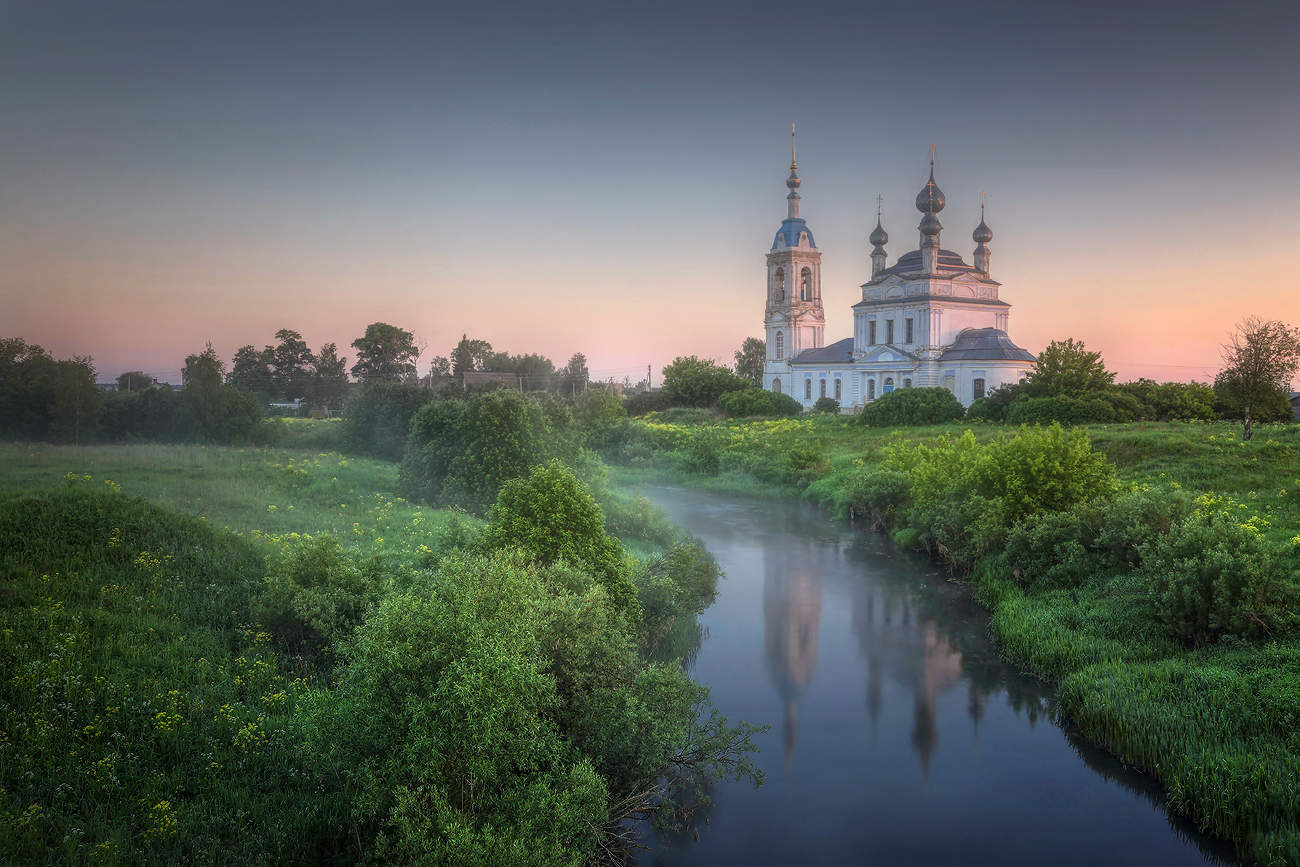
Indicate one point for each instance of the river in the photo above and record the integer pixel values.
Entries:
(898, 735)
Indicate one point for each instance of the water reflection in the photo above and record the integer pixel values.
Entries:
(891, 707)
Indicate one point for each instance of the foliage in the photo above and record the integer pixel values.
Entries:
(750, 358)
(377, 417)
(1260, 359)
(691, 381)
(329, 378)
(147, 415)
(250, 371)
(134, 380)
(826, 404)
(1109, 405)
(468, 355)
(880, 496)
(44, 398)
(643, 402)
(462, 451)
(385, 353)
(131, 678)
(551, 516)
(993, 406)
(211, 411)
(316, 593)
(758, 403)
(912, 406)
(1214, 574)
(1174, 401)
(599, 414)
(1066, 367)
(291, 364)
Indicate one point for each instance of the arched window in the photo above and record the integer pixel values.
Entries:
(805, 285)
(776, 386)
(871, 389)
(888, 386)
(839, 389)
(807, 389)
(778, 284)
(779, 352)
(823, 391)
(907, 382)
(979, 387)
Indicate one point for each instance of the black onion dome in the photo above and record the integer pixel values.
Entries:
(982, 234)
(930, 200)
(879, 237)
(930, 225)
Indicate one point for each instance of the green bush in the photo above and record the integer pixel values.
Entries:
(880, 496)
(551, 516)
(316, 593)
(907, 407)
(827, 405)
(702, 454)
(377, 417)
(691, 381)
(804, 463)
(1098, 407)
(1215, 574)
(1136, 518)
(223, 414)
(993, 406)
(148, 415)
(599, 414)
(646, 401)
(1055, 548)
(1174, 401)
(758, 402)
(462, 451)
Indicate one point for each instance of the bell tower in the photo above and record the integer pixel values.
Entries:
(793, 320)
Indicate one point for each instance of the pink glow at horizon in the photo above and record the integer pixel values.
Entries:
(607, 181)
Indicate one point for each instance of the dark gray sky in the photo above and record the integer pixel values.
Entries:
(606, 178)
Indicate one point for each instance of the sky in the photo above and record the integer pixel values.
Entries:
(607, 178)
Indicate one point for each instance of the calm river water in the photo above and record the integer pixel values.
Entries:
(897, 734)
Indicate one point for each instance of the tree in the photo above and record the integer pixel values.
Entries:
(1260, 360)
(691, 381)
(75, 400)
(202, 372)
(469, 355)
(441, 366)
(291, 362)
(133, 380)
(1067, 367)
(750, 359)
(250, 370)
(385, 353)
(329, 379)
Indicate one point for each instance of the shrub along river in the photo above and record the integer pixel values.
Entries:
(898, 735)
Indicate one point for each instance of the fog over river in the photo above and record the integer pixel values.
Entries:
(898, 735)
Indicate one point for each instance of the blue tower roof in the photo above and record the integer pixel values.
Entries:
(788, 234)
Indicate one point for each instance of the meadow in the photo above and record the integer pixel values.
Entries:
(1150, 570)
(266, 655)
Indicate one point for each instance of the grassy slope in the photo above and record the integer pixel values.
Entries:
(1219, 726)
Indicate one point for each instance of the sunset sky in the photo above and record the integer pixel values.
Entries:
(607, 179)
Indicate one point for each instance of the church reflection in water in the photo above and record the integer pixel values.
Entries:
(907, 637)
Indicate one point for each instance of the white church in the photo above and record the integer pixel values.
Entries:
(928, 320)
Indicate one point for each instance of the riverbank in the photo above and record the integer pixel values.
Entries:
(1215, 721)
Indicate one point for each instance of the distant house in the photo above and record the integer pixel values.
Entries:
(106, 386)
(1295, 405)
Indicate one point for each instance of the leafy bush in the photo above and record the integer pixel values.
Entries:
(1137, 518)
(1174, 401)
(599, 414)
(702, 454)
(827, 405)
(804, 463)
(1215, 574)
(462, 451)
(880, 496)
(993, 406)
(377, 417)
(1055, 547)
(1098, 407)
(316, 593)
(148, 415)
(758, 402)
(551, 516)
(912, 406)
(691, 381)
(646, 401)
(223, 414)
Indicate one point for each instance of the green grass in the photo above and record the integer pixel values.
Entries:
(1218, 726)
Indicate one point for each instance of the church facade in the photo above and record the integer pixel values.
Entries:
(928, 320)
